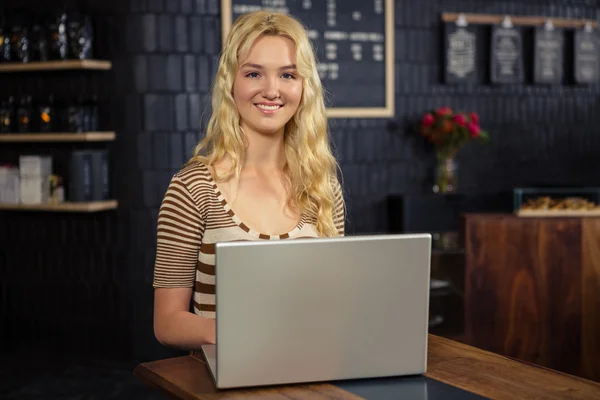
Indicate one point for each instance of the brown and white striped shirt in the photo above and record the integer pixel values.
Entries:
(193, 217)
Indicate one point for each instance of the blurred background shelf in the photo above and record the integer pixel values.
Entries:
(558, 213)
(98, 65)
(63, 207)
(58, 137)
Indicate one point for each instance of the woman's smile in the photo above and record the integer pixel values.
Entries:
(268, 108)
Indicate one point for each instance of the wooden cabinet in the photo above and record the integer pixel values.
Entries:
(532, 289)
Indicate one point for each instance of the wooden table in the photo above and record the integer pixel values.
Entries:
(532, 289)
(450, 362)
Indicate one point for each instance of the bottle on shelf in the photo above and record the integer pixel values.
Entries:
(50, 114)
(39, 40)
(4, 39)
(89, 105)
(58, 36)
(80, 36)
(24, 115)
(6, 48)
(46, 118)
(9, 48)
(94, 113)
(75, 116)
(7, 116)
(19, 40)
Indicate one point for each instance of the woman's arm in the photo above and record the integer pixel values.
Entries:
(179, 237)
(175, 326)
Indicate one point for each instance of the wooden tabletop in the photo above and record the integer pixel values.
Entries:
(450, 362)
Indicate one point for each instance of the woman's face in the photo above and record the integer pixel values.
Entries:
(267, 88)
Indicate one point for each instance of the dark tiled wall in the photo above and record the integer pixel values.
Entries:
(171, 54)
(540, 135)
(64, 277)
(95, 295)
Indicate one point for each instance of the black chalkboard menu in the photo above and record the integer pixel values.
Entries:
(353, 42)
(548, 55)
(507, 55)
(461, 51)
(586, 57)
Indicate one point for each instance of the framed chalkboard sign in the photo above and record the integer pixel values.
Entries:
(507, 55)
(461, 54)
(548, 55)
(587, 60)
(354, 45)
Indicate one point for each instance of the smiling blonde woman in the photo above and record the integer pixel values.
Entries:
(264, 171)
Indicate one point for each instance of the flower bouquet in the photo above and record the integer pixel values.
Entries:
(449, 132)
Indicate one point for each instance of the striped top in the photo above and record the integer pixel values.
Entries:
(193, 217)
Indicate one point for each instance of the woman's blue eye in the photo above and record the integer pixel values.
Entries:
(252, 75)
(288, 76)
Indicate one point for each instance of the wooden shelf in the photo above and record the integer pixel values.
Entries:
(558, 213)
(63, 207)
(58, 137)
(496, 19)
(56, 65)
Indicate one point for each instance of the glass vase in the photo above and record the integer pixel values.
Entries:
(446, 175)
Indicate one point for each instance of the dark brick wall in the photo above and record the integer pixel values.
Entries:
(170, 56)
(82, 284)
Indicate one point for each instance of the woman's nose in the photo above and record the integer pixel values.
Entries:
(271, 88)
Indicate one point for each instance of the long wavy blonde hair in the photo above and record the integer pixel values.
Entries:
(310, 166)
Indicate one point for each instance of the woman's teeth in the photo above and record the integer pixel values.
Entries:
(268, 108)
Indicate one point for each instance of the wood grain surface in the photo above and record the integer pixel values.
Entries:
(590, 284)
(497, 377)
(453, 363)
(188, 378)
(531, 285)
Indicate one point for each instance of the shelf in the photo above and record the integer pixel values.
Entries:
(58, 137)
(438, 284)
(439, 288)
(495, 19)
(558, 213)
(436, 321)
(56, 65)
(63, 207)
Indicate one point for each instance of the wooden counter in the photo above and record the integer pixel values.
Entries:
(532, 289)
(450, 362)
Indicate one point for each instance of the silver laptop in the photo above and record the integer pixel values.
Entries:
(314, 310)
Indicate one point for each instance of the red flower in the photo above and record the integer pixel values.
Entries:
(447, 126)
(474, 117)
(444, 111)
(473, 129)
(447, 129)
(460, 120)
(428, 120)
